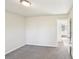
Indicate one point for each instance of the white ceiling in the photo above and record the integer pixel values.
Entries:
(39, 7)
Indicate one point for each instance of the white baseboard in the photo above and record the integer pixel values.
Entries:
(14, 49)
(51, 45)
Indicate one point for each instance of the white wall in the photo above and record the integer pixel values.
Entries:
(41, 30)
(14, 34)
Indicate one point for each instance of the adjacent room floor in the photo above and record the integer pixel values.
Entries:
(38, 52)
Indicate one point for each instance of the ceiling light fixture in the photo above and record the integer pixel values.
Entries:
(25, 3)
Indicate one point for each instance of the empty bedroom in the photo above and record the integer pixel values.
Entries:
(38, 29)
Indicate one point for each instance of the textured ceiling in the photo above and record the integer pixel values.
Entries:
(39, 7)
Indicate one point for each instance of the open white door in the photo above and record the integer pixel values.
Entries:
(63, 31)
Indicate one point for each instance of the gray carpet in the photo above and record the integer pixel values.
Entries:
(38, 52)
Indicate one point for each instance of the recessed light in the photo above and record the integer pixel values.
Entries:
(25, 3)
